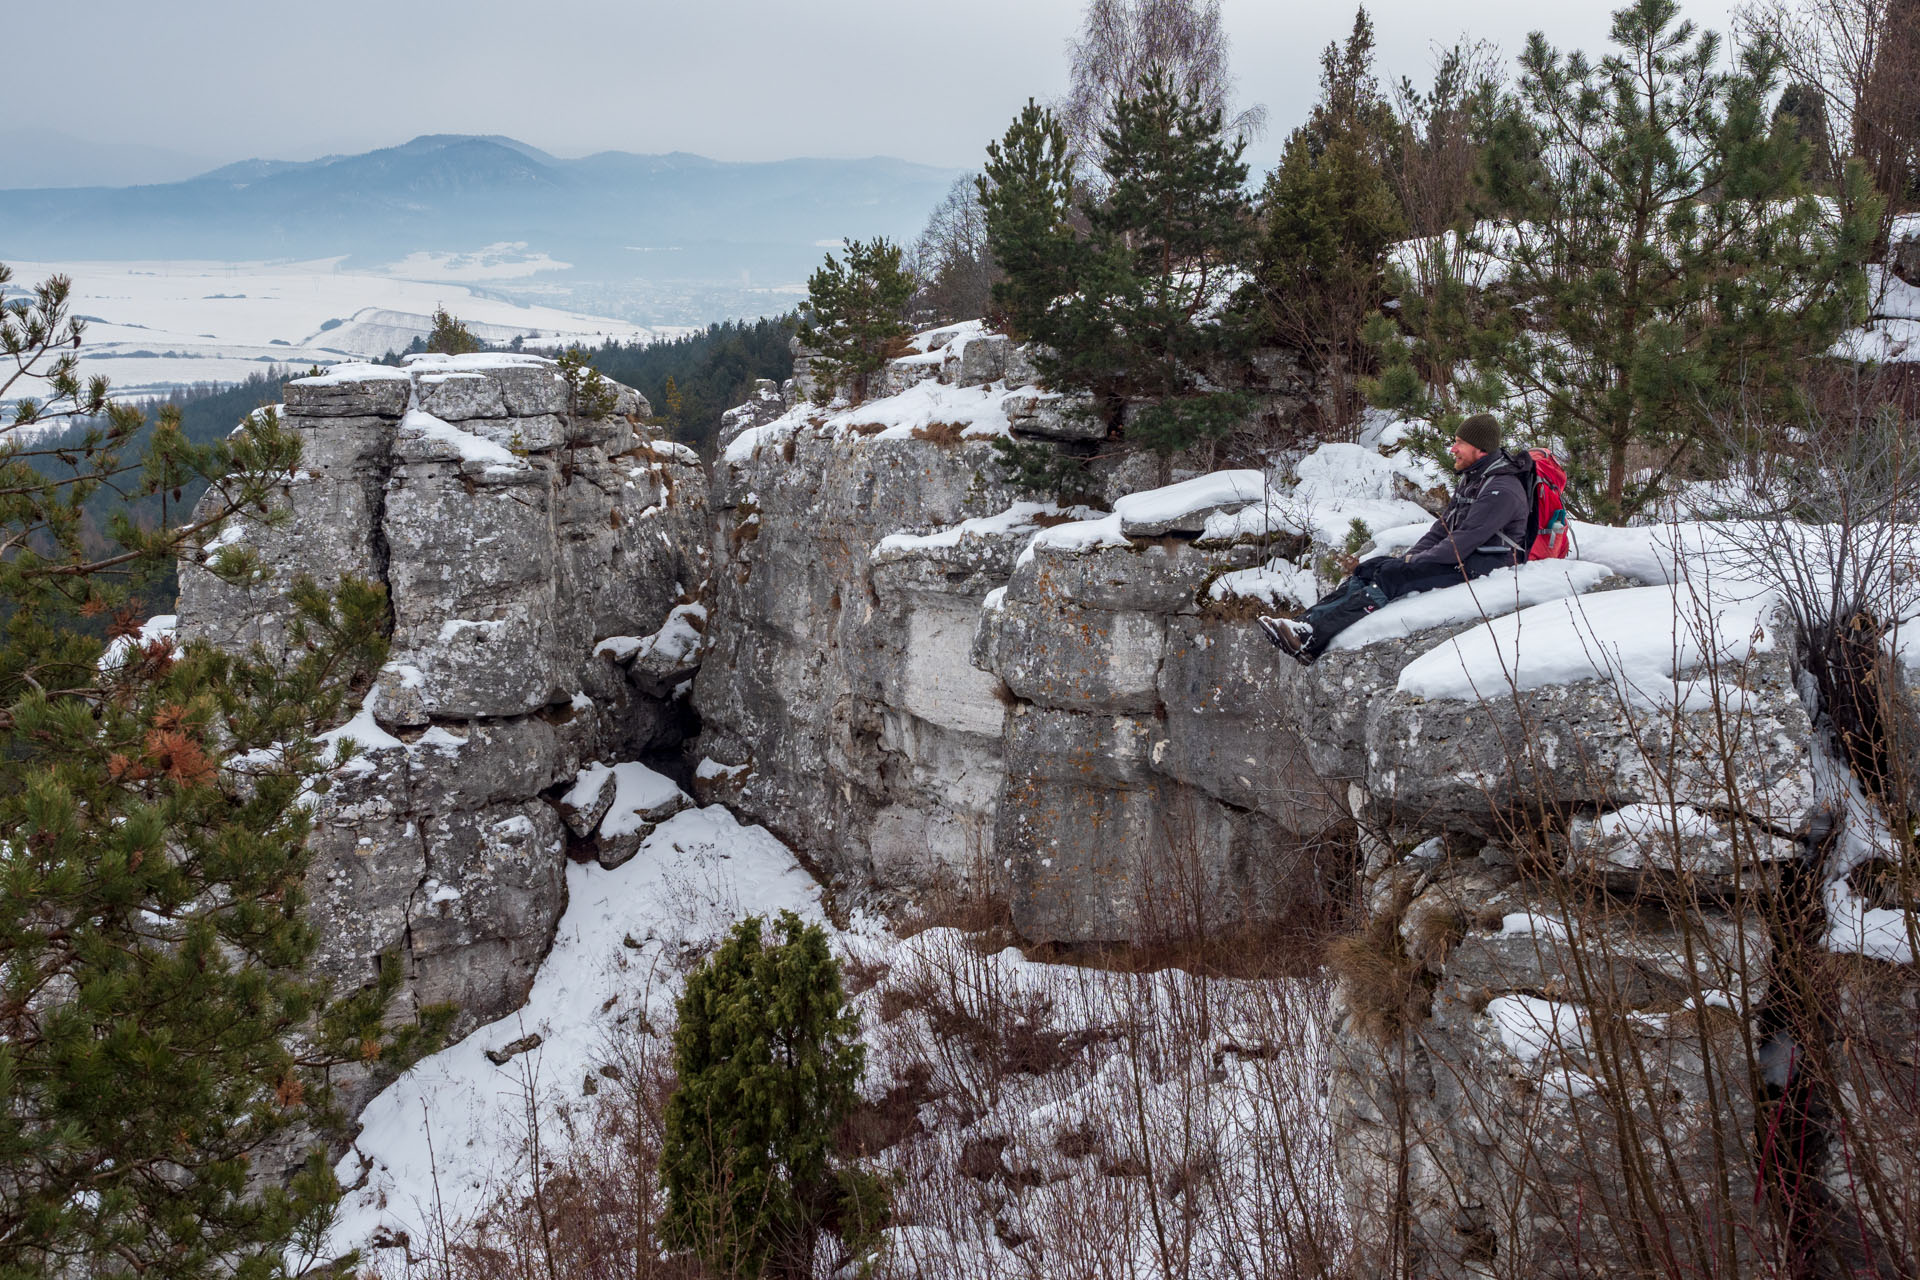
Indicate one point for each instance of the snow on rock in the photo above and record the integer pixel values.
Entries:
(1277, 583)
(1020, 519)
(455, 1119)
(162, 626)
(1855, 926)
(1395, 539)
(465, 445)
(973, 411)
(350, 372)
(639, 796)
(940, 338)
(1534, 924)
(473, 361)
(1337, 484)
(710, 769)
(1497, 593)
(1530, 1026)
(363, 731)
(1077, 535)
(1892, 332)
(1643, 640)
(749, 441)
(1185, 507)
(673, 646)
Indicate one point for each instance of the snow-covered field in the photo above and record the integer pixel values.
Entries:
(153, 325)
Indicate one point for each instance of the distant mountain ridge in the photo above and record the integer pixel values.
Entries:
(695, 218)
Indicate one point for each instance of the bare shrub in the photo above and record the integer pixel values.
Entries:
(1172, 1127)
(1862, 60)
(1639, 1052)
(589, 1203)
(951, 262)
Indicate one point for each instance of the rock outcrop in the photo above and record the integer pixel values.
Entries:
(1524, 990)
(902, 693)
(1592, 882)
(513, 533)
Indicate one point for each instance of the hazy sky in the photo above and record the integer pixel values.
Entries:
(732, 79)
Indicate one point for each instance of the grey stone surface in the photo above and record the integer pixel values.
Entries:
(843, 683)
(1903, 256)
(459, 396)
(1583, 743)
(1121, 756)
(502, 576)
(982, 359)
(1483, 1104)
(1051, 417)
(762, 406)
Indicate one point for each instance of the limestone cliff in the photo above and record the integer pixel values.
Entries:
(512, 533)
(1594, 864)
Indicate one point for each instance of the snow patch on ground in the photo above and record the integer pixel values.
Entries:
(160, 324)
(615, 959)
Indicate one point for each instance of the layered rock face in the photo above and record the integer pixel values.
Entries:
(1156, 781)
(837, 701)
(897, 690)
(513, 533)
(1593, 1017)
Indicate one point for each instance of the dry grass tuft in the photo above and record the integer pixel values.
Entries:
(947, 433)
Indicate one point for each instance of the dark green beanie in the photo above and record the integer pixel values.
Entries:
(1481, 431)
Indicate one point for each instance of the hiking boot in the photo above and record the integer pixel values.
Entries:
(1290, 635)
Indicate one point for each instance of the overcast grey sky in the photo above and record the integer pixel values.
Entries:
(733, 79)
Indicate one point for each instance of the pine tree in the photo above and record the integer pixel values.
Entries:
(1130, 313)
(1168, 242)
(1663, 262)
(674, 403)
(450, 337)
(856, 313)
(1027, 196)
(1328, 217)
(155, 1028)
(767, 1062)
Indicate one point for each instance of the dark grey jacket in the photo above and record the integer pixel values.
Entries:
(1491, 500)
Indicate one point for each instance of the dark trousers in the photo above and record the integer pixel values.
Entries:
(1383, 578)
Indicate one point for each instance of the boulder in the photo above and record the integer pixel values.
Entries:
(982, 359)
(1046, 416)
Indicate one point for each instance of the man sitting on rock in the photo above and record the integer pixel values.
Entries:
(1483, 528)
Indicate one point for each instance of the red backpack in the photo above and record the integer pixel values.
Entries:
(1548, 537)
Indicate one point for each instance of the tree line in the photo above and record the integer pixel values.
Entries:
(1616, 253)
